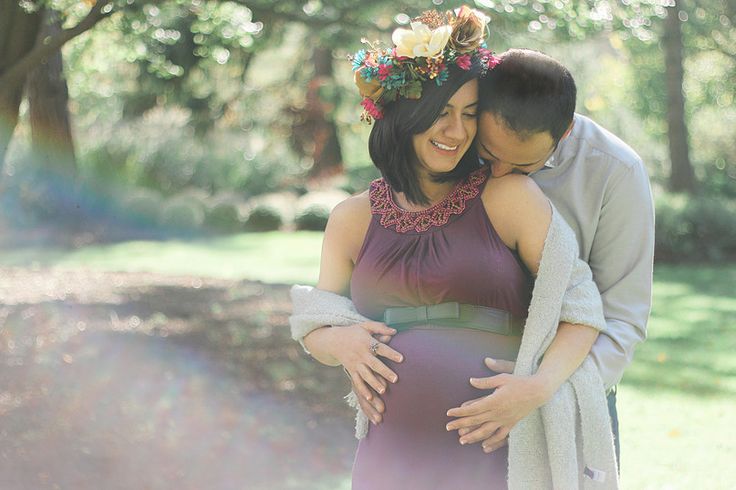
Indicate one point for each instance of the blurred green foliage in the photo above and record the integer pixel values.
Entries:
(178, 95)
(264, 217)
(223, 69)
(224, 217)
(695, 229)
(183, 213)
(312, 218)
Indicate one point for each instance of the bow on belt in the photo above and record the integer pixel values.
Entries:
(455, 314)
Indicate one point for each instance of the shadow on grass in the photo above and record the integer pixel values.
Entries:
(141, 380)
(167, 386)
(691, 333)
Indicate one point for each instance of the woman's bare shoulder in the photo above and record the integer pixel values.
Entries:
(348, 224)
(513, 185)
(514, 203)
(355, 208)
(514, 192)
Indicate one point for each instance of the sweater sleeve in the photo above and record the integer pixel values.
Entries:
(582, 301)
(314, 308)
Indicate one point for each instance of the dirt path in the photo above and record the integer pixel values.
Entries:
(142, 381)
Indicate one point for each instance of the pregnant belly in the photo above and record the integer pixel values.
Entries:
(411, 449)
(435, 373)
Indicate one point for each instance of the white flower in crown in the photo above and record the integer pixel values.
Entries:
(420, 40)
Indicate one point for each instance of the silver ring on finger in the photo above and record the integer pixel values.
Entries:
(374, 346)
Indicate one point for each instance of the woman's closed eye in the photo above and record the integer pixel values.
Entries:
(465, 114)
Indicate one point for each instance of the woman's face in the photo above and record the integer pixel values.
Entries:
(440, 148)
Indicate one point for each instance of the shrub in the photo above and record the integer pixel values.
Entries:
(264, 217)
(107, 163)
(314, 217)
(161, 152)
(713, 222)
(195, 193)
(694, 229)
(32, 192)
(182, 213)
(313, 209)
(282, 203)
(143, 206)
(224, 217)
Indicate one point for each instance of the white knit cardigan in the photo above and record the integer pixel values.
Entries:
(566, 444)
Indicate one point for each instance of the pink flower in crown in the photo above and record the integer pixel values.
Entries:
(384, 71)
(371, 108)
(493, 61)
(463, 62)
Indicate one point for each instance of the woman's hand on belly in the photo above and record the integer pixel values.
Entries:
(351, 346)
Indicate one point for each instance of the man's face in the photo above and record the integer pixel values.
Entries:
(506, 152)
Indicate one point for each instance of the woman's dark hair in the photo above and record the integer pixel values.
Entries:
(531, 92)
(390, 144)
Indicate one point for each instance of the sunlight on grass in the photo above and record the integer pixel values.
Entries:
(691, 333)
(677, 401)
(270, 257)
(676, 441)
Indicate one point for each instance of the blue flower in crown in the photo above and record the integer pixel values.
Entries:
(369, 73)
(442, 77)
(358, 59)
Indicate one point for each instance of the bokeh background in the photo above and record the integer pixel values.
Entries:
(166, 169)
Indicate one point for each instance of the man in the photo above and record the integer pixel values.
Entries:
(599, 185)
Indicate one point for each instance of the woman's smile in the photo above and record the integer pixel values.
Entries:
(451, 149)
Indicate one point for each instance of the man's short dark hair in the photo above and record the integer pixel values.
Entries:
(531, 93)
(390, 144)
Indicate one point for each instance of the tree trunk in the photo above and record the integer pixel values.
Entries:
(682, 177)
(48, 97)
(316, 130)
(18, 31)
(327, 151)
(21, 50)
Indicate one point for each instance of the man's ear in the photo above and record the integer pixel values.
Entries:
(569, 130)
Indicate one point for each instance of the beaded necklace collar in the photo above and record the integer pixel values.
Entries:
(393, 217)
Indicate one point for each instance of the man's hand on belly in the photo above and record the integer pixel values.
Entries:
(490, 418)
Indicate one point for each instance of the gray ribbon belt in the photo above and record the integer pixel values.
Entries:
(454, 315)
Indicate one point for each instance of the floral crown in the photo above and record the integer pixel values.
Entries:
(424, 52)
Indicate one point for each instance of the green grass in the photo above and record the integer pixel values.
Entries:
(273, 257)
(677, 401)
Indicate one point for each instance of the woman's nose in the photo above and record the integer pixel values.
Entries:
(455, 129)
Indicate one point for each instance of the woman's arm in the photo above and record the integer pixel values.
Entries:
(349, 346)
(336, 268)
(521, 215)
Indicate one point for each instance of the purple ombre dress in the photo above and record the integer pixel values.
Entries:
(449, 252)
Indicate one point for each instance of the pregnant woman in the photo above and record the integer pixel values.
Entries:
(439, 256)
